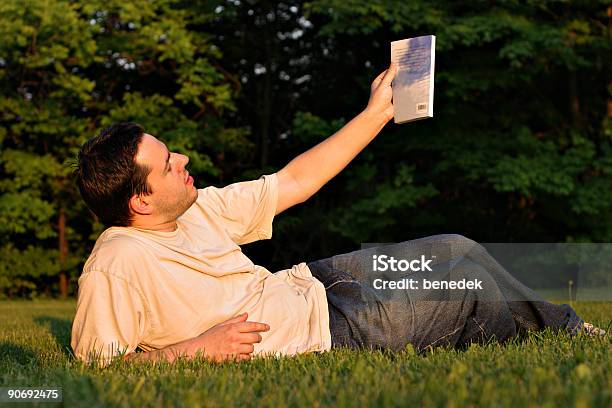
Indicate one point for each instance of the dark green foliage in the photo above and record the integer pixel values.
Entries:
(519, 148)
(66, 70)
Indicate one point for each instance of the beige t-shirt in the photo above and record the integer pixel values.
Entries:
(149, 289)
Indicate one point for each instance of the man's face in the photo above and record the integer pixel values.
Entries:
(173, 189)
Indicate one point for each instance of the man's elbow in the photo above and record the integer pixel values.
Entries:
(290, 191)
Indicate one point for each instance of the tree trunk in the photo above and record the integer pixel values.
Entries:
(609, 37)
(574, 101)
(63, 253)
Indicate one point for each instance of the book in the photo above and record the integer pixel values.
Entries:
(413, 86)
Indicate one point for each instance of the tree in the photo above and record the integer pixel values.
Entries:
(68, 68)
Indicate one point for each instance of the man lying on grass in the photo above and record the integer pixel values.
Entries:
(168, 275)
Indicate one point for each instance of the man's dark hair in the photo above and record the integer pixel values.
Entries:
(108, 175)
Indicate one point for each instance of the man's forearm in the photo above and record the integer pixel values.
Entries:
(233, 339)
(315, 167)
(169, 353)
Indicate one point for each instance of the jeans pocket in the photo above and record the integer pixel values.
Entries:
(328, 275)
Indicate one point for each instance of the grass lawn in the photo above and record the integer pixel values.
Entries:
(541, 369)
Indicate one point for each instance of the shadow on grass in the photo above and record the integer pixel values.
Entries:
(14, 354)
(60, 329)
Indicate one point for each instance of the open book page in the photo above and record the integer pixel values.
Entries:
(413, 87)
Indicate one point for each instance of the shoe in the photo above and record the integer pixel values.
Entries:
(589, 330)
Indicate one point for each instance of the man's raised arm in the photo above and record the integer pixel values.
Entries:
(308, 172)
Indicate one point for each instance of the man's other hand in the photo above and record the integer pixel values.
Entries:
(233, 339)
(380, 94)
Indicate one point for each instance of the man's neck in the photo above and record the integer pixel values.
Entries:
(168, 226)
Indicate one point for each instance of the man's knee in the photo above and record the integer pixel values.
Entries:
(461, 246)
(457, 240)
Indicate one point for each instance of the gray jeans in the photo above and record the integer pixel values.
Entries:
(363, 317)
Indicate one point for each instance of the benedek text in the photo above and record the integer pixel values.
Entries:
(427, 284)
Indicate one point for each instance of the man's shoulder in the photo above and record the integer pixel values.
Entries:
(117, 252)
(120, 240)
(219, 199)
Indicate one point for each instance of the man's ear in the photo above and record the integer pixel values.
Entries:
(140, 204)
